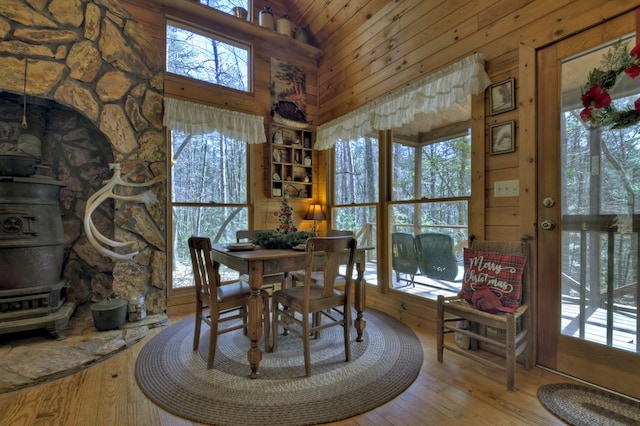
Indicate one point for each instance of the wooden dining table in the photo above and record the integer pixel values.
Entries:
(259, 262)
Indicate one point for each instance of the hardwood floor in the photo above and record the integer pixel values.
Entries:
(455, 392)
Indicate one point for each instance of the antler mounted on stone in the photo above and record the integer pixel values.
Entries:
(93, 235)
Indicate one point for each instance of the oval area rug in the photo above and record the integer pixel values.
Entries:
(585, 406)
(176, 378)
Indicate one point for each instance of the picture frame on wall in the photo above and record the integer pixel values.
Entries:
(502, 138)
(502, 97)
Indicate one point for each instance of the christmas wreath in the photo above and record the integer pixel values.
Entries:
(598, 110)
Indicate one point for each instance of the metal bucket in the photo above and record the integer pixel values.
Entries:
(31, 232)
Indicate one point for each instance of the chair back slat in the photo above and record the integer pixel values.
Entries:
(325, 254)
(203, 272)
(245, 234)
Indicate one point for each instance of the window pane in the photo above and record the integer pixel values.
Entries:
(207, 59)
(600, 169)
(408, 271)
(208, 168)
(226, 6)
(446, 168)
(431, 181)
(443, 217)
(362, 221)
(217, 223)
(444, 171)
(403, 178)
(356, 172)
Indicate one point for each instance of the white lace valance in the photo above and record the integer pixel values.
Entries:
(195, 118)
(436, 98)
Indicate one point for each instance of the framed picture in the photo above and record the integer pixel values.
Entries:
(502, 138)
(502, 97)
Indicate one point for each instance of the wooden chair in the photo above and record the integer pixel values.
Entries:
(514, 335)
(268, 281)
(216, 303)
(298, 276)
(292, 307)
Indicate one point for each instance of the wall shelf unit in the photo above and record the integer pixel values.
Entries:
(291, 162)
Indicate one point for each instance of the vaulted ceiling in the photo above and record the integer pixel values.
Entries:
(331, 19)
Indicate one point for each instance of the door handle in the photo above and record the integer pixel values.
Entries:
(548, 225)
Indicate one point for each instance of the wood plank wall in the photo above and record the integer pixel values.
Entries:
(154, 16)
(374, 47)
(406, 40)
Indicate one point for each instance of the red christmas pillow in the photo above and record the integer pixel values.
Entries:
(502, 273)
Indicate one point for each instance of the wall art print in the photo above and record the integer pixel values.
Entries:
(288, 90)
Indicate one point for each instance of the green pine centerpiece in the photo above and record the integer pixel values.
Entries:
(286, 236)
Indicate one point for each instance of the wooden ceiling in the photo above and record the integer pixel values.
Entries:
(330, 19)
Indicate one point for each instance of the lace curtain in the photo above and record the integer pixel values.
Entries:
(195, 118)
(436, 97)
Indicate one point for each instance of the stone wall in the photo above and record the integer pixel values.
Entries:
(101, 78)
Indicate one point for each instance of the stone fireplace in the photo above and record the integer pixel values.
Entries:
(97, 75)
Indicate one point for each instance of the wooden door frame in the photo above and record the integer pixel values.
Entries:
(554, 351)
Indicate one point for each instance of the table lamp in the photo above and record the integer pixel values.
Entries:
(315, 213)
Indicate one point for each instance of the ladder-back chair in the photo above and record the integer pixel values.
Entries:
(457, 315)
(217, 304)
(293, 307)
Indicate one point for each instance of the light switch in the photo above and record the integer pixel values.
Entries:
(506, 188)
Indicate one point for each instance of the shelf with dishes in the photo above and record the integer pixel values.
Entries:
(291, 162)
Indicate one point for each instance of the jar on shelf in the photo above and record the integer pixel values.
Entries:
(266, 18)
(283, 26)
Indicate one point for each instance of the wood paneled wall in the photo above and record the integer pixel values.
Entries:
(379, 46)
(370, 48)
(405, 40)
(154, 16)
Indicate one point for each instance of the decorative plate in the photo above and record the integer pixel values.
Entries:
(240, 246)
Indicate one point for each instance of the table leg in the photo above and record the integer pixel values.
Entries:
(360, 298)
(254, 355)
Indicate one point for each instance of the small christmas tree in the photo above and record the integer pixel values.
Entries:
(287, 226)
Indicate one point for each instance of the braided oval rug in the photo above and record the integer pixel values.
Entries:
(580, 405)
(382, 366)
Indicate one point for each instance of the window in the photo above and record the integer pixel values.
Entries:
(431, 189)
(356, 194)
(227, 6)
(206, 58)
(208, 195)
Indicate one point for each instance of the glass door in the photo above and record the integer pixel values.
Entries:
(588, 208)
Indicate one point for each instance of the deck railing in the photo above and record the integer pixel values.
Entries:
(600, 273)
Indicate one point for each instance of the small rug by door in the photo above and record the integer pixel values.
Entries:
(581, 405)
(382, 366)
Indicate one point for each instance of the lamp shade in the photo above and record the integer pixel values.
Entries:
(315, 213)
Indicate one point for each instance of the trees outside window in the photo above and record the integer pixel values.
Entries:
(209, 190)
(214, 60)
(431, 189)
(227, 6)
(209, 194)
(356, 190)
